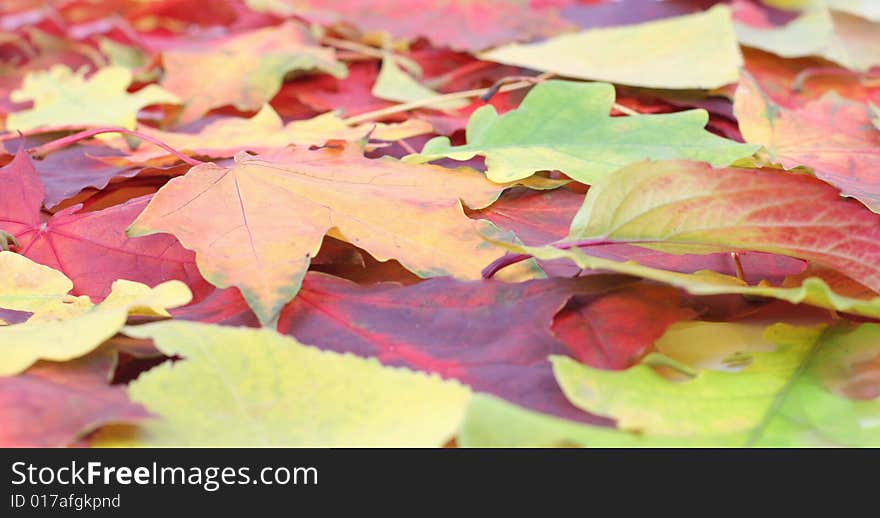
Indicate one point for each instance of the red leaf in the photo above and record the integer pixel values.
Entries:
(459, 24)
(542, 217)
(615, 331)
(493, 336)
(53, 404)
(90, 248)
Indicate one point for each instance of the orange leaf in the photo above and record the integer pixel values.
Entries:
(262, 132)
(832, 136)
(245, 70)
(257, 224)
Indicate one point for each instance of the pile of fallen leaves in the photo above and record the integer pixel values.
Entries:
(425, 223)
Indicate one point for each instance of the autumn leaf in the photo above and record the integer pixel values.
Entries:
(31, 287)
(813, 290)
(832, 136)
(776, 400)
(315, 193)
(677, 199)
(243, 70)
(791, 83)
(60, 331)
(542, 217)
(429, 327)
(689, 204)
(90, 248)
(393, 84)
(53, 404)
(836, 36)
(460, 24)
(580, 140)
(639, 55)
(286, 394)
(494, 423)
(67, 172)
(264, 131)
(65, 99)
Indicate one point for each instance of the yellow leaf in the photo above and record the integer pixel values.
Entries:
(29, 286)
(64, 99)
(844, 38)
(270, 214)
(262, 132)
(58, 335)
(244, 70)
(693, 51)
(393, 84)
(248, 387)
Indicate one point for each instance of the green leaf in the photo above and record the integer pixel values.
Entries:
(67, 99)
(494, 423)
(250, 387)
(67, 328)
(565, 125)
(778, 400)
(393, 84)
(640, 55)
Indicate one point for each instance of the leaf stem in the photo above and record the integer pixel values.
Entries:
(509, 259)
(738, 266)
(55, 145)
(465, 94)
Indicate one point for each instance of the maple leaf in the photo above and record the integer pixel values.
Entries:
(777, 400)
(350, 96)
(91, 247)
(832, 136)
(460, 24)
(244, 70)
(840, 37)
(640, 55)
(64, 99)
(53, 404)
(274, 210)
(280, 392)
(62, 329)
(262, 132)
(31, 287)
(579, 139)
(66, 172)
